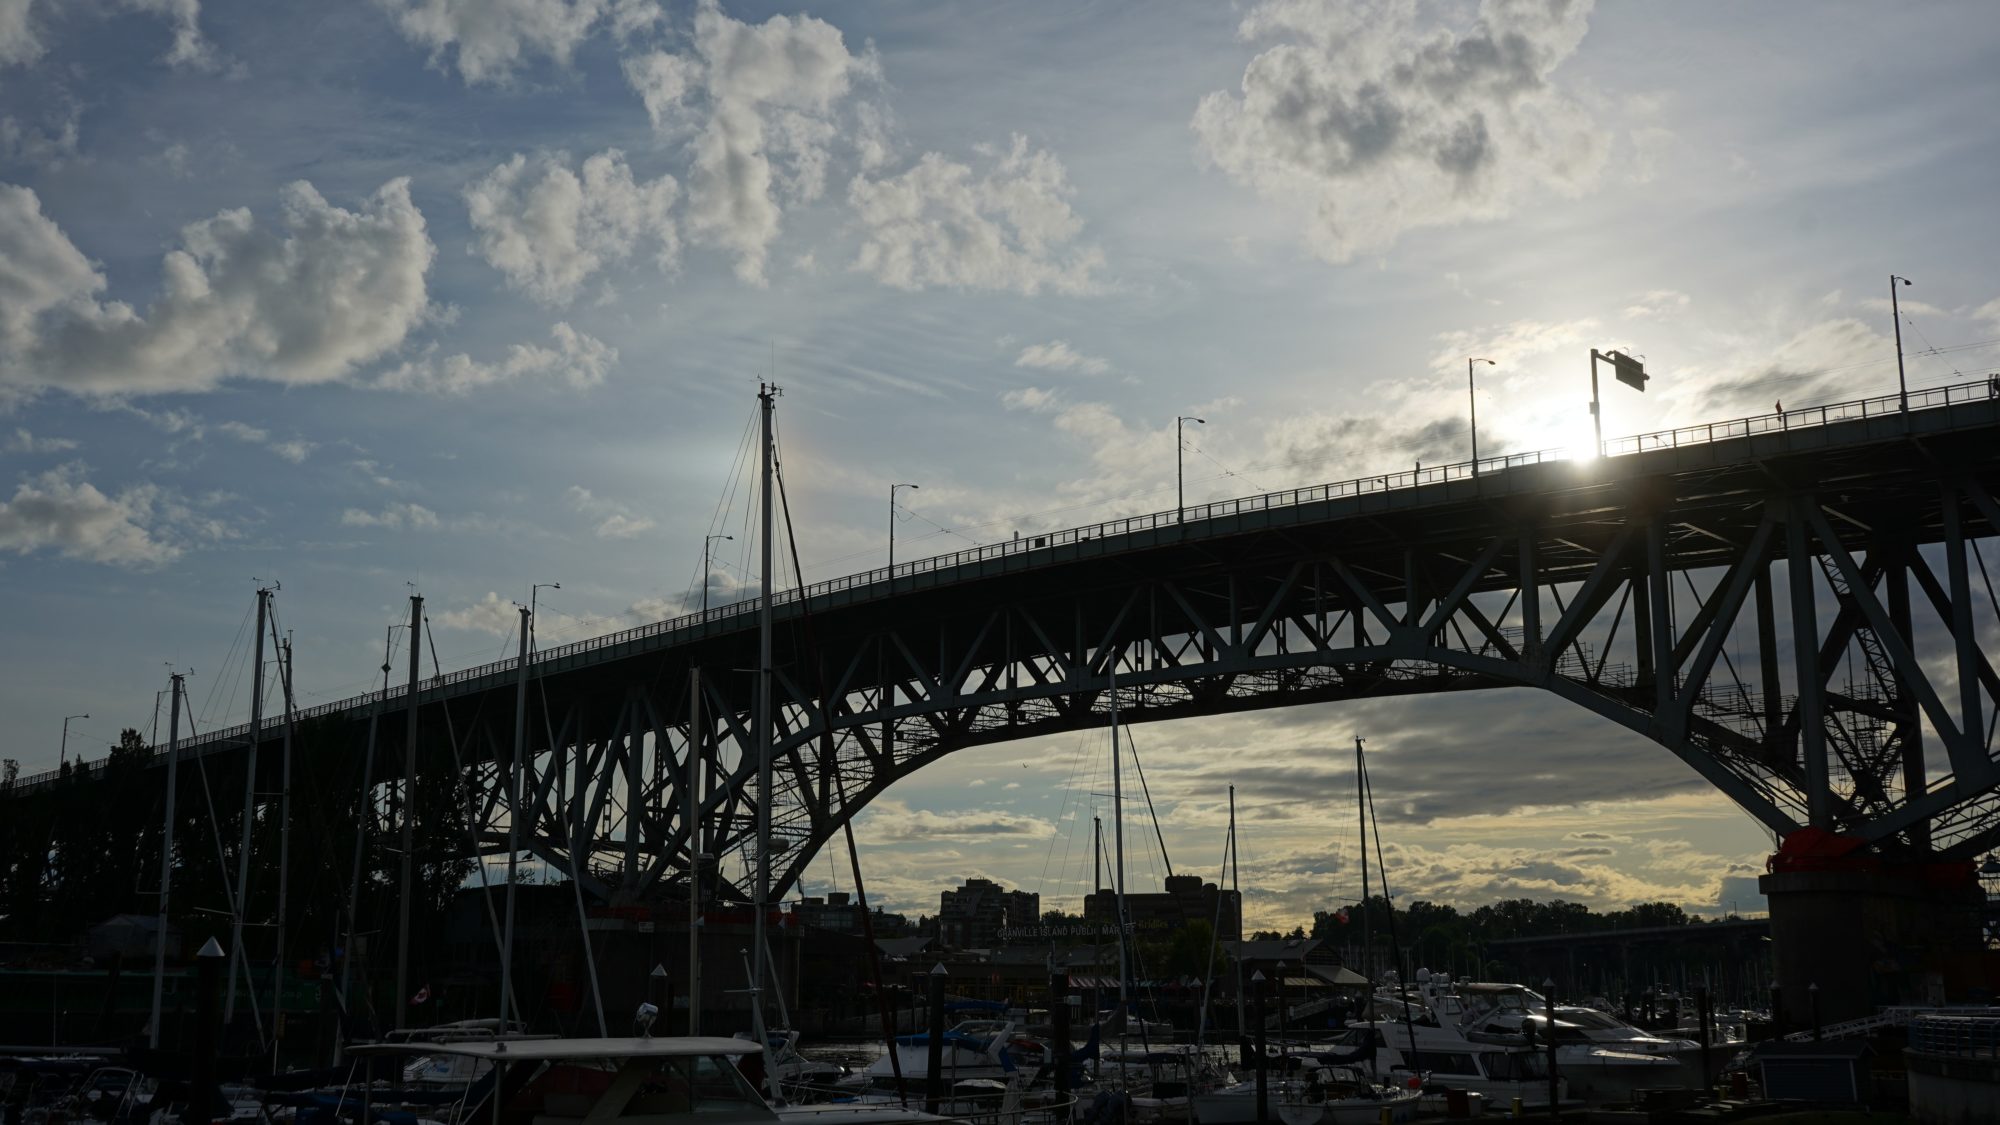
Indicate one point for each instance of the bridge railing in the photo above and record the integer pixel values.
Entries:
(1776, 422)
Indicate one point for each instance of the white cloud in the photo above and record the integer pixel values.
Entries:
(490, 39)
(491, 614)
(395, 517)
(758, 103)
(336, 289)
(1057, 355)
(577, 360)
(1658, 305)
(548, 228)
(18, 41)
(940, 223)
(1989, 314)
(891, 821)
(294, 450)
(24, 442)
(1033, 399)
(1374, 124)
(61, 511)
(615, 521)
(190, 49)
(49, 144)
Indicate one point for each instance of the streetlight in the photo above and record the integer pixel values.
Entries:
(533, 591)
(62, 754)
(1895, 314)
(892, 527)
(1474, 400)
(705, 545)
(1180, 493)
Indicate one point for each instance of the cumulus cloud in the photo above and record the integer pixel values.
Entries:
(1821, 362)
(1057, 355)
(190, 49)
(1989, 314)
(334, 289)
(549, 228)
(18, 41)
(47, 143)
(61, 511)
(395, 517)
(1373, 123)
(1033, 399)
(940, 223)
(758, 105)
(294, 450)
(489, 40)
(491, 614)
(576, 360)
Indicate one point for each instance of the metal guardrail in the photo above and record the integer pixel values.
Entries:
(1805, 418)
(1971, 1034)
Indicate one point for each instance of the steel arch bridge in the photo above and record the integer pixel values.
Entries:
(1840, 544)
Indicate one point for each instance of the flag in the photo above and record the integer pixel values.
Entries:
(1342, 915)
(423, 995)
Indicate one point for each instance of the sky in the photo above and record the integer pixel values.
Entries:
(459, 296)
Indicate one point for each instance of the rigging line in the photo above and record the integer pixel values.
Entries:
(1227, 471)
(1389, 904)
(578, 864)
(471, 799)
(228, 661)
(1069, 799)
(1153, 812)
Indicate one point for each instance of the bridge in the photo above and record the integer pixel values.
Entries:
(1839, 544)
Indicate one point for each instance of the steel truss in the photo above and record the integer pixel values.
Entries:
(1801, 634)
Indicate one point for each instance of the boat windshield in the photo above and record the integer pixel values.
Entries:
(1595, 1021)
(1515, 1065)
(664, 1085)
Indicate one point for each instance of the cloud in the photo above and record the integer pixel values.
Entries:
(49, 144)
(336, 289)
(1821, 362)
(614, 520)
(1658, 305)
(24, 442)
(61, 511)
(490, 39)
(577, 360)
(1373, 124)
(1033, 399)
(549, 228)
(295, 450)
(395, 517)
(491, 614)
(18, 41)
(892, 822)
(190, 49)
(758, 102)
(1989, 314)
(1057, 355)
(942, 224)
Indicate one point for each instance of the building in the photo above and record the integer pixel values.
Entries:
(841, 914)
(1185, 899)
(972, 916)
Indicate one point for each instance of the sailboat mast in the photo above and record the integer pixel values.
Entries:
(364, 815)
(249, 807)
(1236, 889)
(166, 864)
(409, 814)
(696, 740)
(514, 815)
(284, 839)
(1367, 929)
(1118, 841)
(766, 394)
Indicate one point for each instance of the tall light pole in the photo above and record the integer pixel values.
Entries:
(534, 591)
(705, 545)
(1474, 400)
(1626, 369)
(1180, 493)
(892, 527)
(62, 754)
(1896, 314)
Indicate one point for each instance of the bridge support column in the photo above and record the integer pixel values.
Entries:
(1871, 934)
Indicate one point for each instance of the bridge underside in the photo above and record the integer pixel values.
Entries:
(1843, 568)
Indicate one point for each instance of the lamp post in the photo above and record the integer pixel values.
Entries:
(1896, 314)
(62, 754)
(534, 591)
(705, 545)
(1180, 492)
(1473, 398)
(892, 527)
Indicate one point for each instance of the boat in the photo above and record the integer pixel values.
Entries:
(974, 1049)
(670, 1080)
(1310, 1091)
